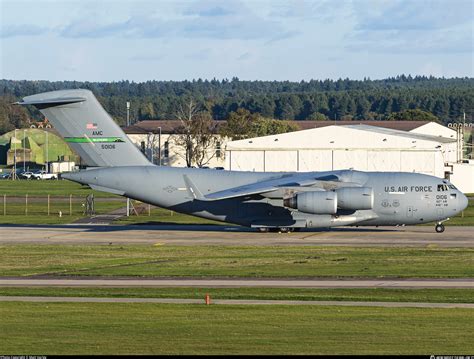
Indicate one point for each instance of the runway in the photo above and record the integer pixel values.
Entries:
(458, 283)
(414, 236)
(233, 302)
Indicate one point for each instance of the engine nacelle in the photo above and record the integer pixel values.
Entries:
(355, 198)
(322, 202)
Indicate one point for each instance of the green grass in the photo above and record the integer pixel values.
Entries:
(118, 328)
(36, 212)
(466, 218)
(349, 294)
(43, 188)
(232, 261)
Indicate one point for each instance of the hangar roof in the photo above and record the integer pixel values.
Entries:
(389, 131)
(352, 136)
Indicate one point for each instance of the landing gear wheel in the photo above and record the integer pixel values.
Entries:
(285, 230)
(263, 229)
(439, 228)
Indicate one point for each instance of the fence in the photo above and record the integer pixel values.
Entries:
(50, 205)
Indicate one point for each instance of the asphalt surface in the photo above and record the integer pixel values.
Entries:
(241, 283)
(416, 236)
(233, 302)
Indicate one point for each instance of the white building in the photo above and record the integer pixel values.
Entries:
(431, 149)
(159, 141)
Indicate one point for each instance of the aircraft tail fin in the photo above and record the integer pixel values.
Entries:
(87, 128)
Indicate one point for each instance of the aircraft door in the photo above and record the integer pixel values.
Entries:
(410, 211)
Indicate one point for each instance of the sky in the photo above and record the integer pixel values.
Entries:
(251, 39)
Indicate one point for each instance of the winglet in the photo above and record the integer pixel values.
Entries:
(193, 190)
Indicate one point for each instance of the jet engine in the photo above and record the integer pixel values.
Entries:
(354, 198)
(321, 202)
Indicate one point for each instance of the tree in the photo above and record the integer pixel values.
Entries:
(317, 116)
(239, 124)
(11, 116)
(266, 126)
(413, 115)
(196, 133)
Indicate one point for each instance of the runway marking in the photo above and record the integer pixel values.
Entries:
(241, 283)
(233, 302)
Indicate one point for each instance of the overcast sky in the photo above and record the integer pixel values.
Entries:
(251, 39)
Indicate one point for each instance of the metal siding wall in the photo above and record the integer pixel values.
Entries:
(315, 160)
(278, 161)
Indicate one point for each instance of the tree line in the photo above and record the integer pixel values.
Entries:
(343, 99)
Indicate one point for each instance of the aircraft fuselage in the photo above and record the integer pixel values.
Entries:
(399, 198)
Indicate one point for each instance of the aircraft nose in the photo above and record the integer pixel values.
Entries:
(463, 202)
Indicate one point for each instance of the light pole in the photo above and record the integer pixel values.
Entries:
(151, 144)
(159, 146)
(128, 113)
(47, 153)
(14, 159)
(24, 150)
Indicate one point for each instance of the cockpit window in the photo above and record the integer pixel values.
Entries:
(443, 187)
(452, 186)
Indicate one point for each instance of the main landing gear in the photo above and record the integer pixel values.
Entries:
(439, 228)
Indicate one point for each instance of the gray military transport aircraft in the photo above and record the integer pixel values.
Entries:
(284, 201)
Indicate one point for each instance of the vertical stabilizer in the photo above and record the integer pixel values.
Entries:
(87, 128)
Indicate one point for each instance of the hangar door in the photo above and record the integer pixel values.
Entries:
(418, 161)
(246, 160)
(383, 161)
(278, 161)
(345, 159)
(314, 160)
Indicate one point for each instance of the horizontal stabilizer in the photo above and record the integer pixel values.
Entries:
(42, 104)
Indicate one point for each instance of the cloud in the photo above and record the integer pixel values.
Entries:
(148, 58)
(415, 42)
(21, 30)
(403, 26)
(211, 23)
(282, 36)
(414, 15)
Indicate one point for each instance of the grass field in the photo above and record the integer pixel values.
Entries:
(466, 218)
(35, 211)
(343, 294)
(116, 328)
(231, 261)
(43, 188)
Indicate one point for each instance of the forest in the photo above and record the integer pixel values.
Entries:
(438, 98)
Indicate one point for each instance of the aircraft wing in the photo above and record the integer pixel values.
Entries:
(287, 181)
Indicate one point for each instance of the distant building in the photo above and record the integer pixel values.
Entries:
(34, 147)
(145, 135)
(430, 148)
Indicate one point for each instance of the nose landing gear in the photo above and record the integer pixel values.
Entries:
(439, 228)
